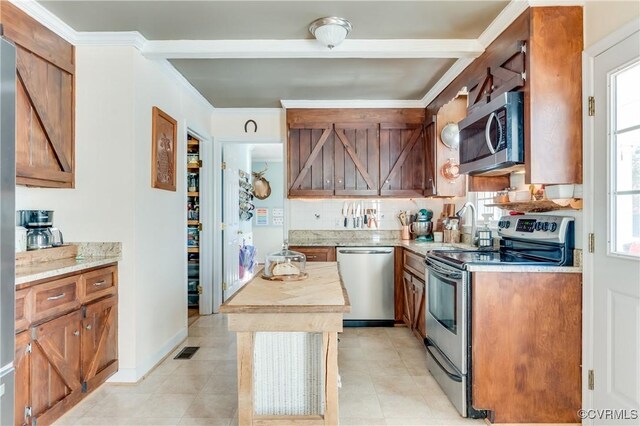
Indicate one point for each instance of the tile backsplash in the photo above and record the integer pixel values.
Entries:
(327, 213)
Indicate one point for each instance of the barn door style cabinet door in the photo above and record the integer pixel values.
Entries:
(45, 62)
(311, 160)
(402, 160)
(99, 342)
(56, 383)
(357, 156)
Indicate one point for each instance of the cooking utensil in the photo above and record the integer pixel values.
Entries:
(345, 213)
(403, 218)
(358, 211)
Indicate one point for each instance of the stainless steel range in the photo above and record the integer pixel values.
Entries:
(538, 240)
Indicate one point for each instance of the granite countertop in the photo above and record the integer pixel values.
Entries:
(391, 239)
(90, 255)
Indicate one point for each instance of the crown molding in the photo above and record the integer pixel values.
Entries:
(445, 80)
(356, 103)
(502, 21)
(172, 72)
(111, 38)
(276, 49)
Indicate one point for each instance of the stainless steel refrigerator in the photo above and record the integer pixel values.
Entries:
(7, 226)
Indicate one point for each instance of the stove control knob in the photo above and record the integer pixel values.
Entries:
(554, 226)
(545, 226)
(538, 226)
(507, 224)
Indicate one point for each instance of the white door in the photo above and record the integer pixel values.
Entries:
(230, 233)
(616, 226)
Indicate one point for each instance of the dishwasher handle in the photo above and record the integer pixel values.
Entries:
(350, 251)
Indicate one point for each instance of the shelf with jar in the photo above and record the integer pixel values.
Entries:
(193, 221)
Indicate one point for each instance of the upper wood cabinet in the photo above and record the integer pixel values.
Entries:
(45, 149)
(310, 154)
(356, 153)
(540, 54)
(357, 157)
(402, 160)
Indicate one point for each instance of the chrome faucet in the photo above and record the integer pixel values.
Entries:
(460, 213)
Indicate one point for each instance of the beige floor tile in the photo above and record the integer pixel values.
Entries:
(165, 405)
(361, 421)
(357, 381)
(428, 387)
(398, 406)
(205, 422)
(226, 384)
(348, 340)
(395, 385)
(417, 366)
(394, 367)
(128, 421)
(350, 354)
(66, 420)
(219, 353)
(118, 405)
(208, 368)
(189, 384)
(168, 366)
(381, 354)
(355, 404)
(213, 406)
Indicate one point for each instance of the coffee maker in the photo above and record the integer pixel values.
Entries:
(40, 231)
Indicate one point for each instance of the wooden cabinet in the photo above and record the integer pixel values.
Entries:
(540, 54)
(56, 383)
(69, 348)
(357, 158)
(22, 395)
(414, 300)
(526, 346)
(99, 342)
(310, 157)
(402, 160)
(356, 153)
(45, 147)
(317, 253)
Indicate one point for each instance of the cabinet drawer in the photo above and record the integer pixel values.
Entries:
(22, 310)
(317, 254)
(414, 264)
(54, 298)
(100, 283)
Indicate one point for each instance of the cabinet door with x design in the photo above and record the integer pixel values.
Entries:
(311, 160)
(402, 160)
(357, 156)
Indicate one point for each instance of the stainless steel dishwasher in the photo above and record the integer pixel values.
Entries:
(367, 273)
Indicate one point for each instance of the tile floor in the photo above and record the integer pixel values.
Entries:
(385, 381)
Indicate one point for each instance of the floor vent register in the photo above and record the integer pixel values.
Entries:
(187, 352)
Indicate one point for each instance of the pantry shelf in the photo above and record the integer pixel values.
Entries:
(539, 206)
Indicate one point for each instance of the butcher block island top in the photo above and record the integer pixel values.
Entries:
(287, 334)
(322, 291)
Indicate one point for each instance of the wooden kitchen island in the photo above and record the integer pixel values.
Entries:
(288, 347)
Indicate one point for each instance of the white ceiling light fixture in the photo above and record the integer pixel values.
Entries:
(330, 31)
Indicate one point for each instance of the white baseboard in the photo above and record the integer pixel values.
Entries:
(133, 375)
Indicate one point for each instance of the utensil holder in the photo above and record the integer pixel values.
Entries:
(404, 234)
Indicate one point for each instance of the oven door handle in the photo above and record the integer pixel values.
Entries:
(441, 270)
(429, 344)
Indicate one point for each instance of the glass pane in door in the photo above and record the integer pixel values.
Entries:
(625, 161)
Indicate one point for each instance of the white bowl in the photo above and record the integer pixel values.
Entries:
(553, 192)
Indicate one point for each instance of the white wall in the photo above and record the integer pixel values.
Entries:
(603, 17)
(113, 200)
(228, 124)
(268, 239)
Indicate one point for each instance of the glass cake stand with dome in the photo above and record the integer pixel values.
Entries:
(285, 265)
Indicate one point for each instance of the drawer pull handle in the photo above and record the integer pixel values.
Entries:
(98, 283)
(60, 296)
(76, 333)
(88, 327)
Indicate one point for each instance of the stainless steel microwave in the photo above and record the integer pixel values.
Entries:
(492, 137)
